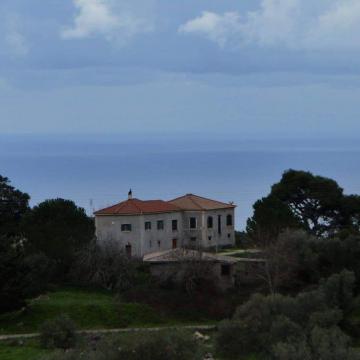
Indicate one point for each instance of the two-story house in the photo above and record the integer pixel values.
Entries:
(146, 226)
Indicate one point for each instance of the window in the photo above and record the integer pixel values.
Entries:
(225, 270)
(219, 224)
(147, 225)
(193, 223)
(159, 243)
(174, 225)
(229, 235)
(160, 225)
(229, 220)
(174, 243)
(193, 239)
(210, 222)
(125, 227)
(209, 237)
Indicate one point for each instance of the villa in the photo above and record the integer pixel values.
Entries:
(142, 227)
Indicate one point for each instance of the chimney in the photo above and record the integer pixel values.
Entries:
(130, 194)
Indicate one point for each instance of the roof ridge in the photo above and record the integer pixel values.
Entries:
(191, 199)
(202, 197)
(139, 209)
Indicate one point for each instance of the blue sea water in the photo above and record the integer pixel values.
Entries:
(98, 171)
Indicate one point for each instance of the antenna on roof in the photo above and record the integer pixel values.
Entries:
(130, 194)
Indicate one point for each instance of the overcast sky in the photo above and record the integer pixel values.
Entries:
(250, 67)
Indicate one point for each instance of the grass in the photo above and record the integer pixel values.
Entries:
(89, 310)
(31, 350)
(18, 352)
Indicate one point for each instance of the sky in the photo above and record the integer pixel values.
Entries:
(252, 68)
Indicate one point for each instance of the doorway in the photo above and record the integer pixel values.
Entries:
(128, 250)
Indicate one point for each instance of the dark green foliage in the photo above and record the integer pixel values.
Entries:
(58, 228)
(12, 274)
(305, 326)
(331, 344)
(13, 205)
(39, 273)
(174, 345)
(21, 276)
(106, 266)
(271, 216)
(58, 333)
(297, 259)
(297, 349)
(301, 199)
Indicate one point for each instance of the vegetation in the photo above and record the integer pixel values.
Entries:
(174, 345)
(306, 326)
(21, 275)
(307, 230)
(58, 228)
(58, 333)
(22, 352)
(303, 200)
(105, 266)
(14, 204)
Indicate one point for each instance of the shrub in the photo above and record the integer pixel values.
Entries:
(105, 266)
(294, 350)
(331, 344)
(175, 345)
(301, 327)
(58, 333)
(234, 339)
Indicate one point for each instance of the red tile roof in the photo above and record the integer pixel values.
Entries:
(194, 202)
(138, 207)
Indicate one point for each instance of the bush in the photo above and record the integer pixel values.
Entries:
(294, 350)
(234, 339)
(105, 266)
(176, 345)
(284, 327)
(58, 333)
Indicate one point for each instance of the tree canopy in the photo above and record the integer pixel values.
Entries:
(314, 203)
(58, 228)
(13, 205)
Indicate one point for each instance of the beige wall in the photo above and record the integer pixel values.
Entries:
(202, 233)
(108, 228)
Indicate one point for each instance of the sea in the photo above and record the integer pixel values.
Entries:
(98, 170)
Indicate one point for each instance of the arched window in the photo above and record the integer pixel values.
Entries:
(229, 220)
(210, 222)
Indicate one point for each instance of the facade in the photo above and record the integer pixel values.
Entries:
(142, 227)
(226, 271)
(174, 264)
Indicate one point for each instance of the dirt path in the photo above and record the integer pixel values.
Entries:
(114, 331)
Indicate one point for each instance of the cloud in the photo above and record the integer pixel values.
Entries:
(100, 17)
(295, 24)
(218, 28)
(15, 41)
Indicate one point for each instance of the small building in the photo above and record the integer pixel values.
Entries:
(141, 227)
(176, 264)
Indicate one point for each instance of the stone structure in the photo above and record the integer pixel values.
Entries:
(142, 227)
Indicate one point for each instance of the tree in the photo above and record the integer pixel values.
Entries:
(271, 216)
(314, 200)
(58, 228)
(13, 205)
(12, 274)
(106, 266)
(21, 276)
(301, 199)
